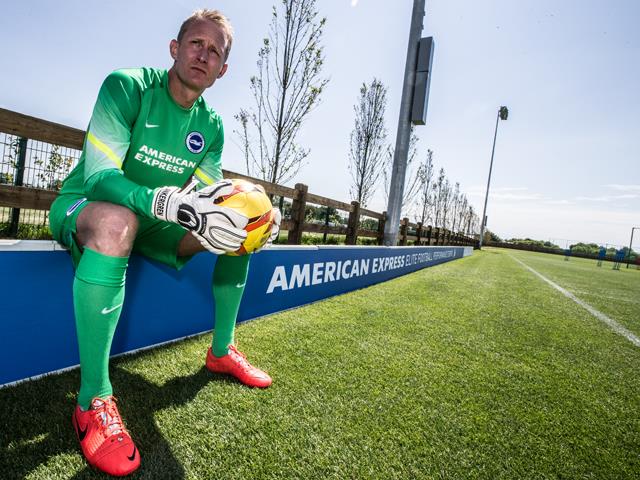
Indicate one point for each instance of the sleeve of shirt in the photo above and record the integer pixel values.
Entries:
(210, 169)
(112, 186)
(109, 132)
(107, 142)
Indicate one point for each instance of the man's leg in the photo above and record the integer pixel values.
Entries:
(229, 277)
(106, 233)
(98, 294)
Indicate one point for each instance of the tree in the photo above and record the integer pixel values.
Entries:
(538, 243)
(490, 236)
(14, 152)
(366, 152)
(54, 169)
(425, 189)
(438, 198)
(455, 205)
(285, 90)
(462, 212)
(445, 202)
(474, 222)
(411, 181)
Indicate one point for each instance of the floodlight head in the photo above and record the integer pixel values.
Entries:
(504, 113)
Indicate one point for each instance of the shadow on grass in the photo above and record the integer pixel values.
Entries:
(35, 421)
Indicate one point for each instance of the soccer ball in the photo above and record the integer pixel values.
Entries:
(251, 201)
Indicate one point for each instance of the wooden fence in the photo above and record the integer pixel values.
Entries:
(17, 196)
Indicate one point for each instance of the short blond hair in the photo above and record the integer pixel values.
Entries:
(214, 16)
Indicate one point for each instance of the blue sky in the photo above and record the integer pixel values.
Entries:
(566, 166)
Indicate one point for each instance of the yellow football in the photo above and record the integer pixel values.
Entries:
(251, 201)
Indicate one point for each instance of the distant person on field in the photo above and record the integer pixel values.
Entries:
(151, 140)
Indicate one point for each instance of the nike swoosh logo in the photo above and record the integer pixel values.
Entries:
(81, 433)
(106, 310)
(133, 455)
(240, 285)
(148, 125)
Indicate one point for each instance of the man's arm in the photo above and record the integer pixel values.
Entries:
(114, 114)
(113, 187)
(107, 142)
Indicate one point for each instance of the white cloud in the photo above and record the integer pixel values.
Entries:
(559, 202)
(519, 197)
(354, 3)
(609, 198)
(542, 222)
(506, 193)
(523, 194)
(624, 188)
(520, 212)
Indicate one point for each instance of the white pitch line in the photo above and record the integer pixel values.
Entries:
(615, 326)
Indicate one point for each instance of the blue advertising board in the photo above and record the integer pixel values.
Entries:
(164, 305)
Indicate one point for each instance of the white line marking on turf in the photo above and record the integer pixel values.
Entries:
(615, 326)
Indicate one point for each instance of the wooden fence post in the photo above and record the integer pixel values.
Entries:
(297, 214)
(429, 231)
(352, 223)
(404, 227)
(381, 223)
(326, 224)
(419, 233)
(18, 181)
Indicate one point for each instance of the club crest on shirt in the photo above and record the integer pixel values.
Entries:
(195, 142)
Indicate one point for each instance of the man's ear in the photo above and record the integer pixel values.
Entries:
(173, 49)
(223, 70)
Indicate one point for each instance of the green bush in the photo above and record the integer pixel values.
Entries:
(317, 239)
(367, 241)
(27, 231)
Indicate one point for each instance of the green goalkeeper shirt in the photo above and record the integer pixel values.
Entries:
(139, 138)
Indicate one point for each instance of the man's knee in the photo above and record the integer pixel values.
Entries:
(107, 228)
(189, 245)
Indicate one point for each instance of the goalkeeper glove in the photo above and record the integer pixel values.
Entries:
(275, 229)
(219, 229)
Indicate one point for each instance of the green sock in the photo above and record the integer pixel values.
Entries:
(229, 277)
(98, 293)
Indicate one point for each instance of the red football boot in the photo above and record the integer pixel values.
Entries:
(235, 363)
(105, 442)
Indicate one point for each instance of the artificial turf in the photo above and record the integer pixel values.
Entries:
(471, 369)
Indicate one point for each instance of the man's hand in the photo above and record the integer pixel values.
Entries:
(219, 229)
(275, 229)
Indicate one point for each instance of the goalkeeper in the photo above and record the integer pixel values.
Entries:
(151, 139)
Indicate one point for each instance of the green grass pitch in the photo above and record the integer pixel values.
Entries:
(471, 369)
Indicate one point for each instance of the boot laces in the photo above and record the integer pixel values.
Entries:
(240, 358)
(108, 416)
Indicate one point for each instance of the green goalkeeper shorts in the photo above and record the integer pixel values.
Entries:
(156, 239)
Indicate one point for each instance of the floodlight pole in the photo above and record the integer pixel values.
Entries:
(503, 113)
(630, 243)
(399, 170)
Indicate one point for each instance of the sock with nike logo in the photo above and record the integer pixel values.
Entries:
(229, 277)
(98, 294)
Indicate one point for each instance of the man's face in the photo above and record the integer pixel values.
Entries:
(199, 56)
